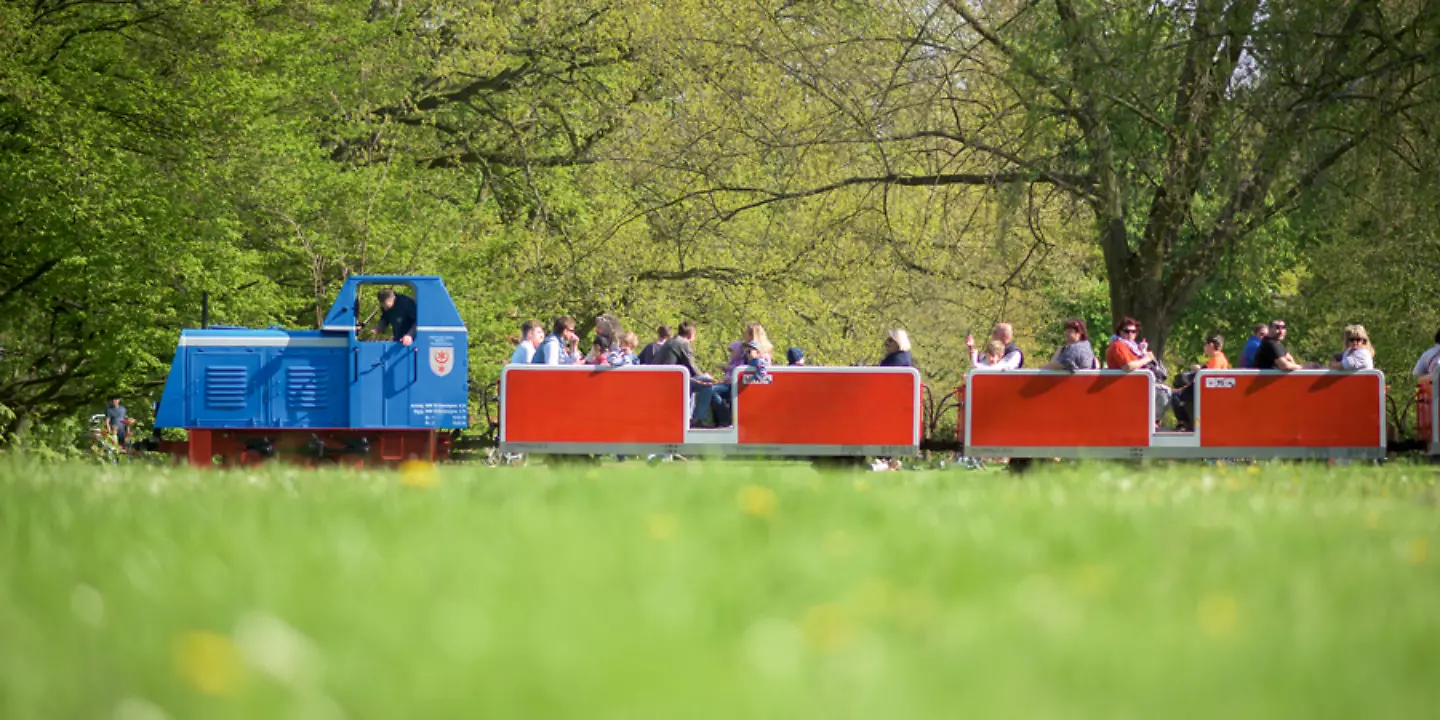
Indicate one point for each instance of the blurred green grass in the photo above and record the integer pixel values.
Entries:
(710, 590)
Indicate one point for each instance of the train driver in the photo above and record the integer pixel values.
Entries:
(398, 313)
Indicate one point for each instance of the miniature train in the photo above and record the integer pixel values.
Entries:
(247, 396)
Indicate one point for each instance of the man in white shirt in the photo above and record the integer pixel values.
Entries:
(532, 333)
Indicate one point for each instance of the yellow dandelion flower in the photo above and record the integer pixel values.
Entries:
(826, 627)
(662, 526)
(1253, 469)
(1216, 615)
(209, 662)
(417, 474)
(758, 501)
(1419, 551)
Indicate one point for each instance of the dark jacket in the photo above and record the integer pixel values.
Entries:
(677, 351)
(400, 317)
(647, 355)
(899, 358)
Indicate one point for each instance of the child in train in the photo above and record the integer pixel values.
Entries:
(625, 354)
(755, 359)
(599, 350)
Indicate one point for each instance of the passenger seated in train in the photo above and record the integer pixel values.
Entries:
(754, 333)
(1012, 359)
(756, 360)
(1076, 353)
(1184, 395)
(625, 354)
(1247, 354)
(1429, 360)
(608, 327)
(1129, 353)
(397, 312)
(1358, 353)
(992, 361)
(599, 348)
(680, 350)
(532, 333)
(897, 349)
(1214, 353)
(561, 346)
(795, 357)
(647, 356)
(1183, 399)
(1272, 354)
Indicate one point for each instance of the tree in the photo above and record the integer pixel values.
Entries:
(1182, 129)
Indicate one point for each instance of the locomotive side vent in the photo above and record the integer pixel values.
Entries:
(225, 387)
(305, 388)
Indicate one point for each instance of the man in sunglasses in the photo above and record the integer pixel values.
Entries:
(1272, 354)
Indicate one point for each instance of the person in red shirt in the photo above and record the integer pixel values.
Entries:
(1125, 353)
(1128, 354)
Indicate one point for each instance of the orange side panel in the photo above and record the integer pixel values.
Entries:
(1424, 415)
(814, 407)
(1292, 410)
(624, 405)
(1086, 410)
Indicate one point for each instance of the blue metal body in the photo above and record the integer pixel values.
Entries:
(227, 377)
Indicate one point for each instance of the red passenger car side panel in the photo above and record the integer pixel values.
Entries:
(825, 406)
(589, 405)
(1019, 409)
(1254, 410)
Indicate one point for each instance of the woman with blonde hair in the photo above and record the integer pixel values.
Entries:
(897, 349)
(1358, 353)
(754, 332)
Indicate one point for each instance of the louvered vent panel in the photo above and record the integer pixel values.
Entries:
(305, 388)
(225, 387)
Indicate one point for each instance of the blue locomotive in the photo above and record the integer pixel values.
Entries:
(247, 395)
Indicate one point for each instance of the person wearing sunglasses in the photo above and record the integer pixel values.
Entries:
(1272, 354)
(1129, 353)
(1358, 353)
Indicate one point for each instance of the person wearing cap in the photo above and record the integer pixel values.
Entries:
(754, 333)
(756, 360)
(795, 357)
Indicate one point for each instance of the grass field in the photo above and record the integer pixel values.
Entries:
(720, 591)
